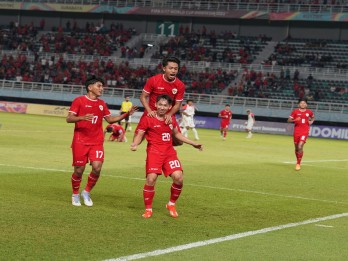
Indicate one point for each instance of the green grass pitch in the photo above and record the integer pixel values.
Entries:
(233, 186)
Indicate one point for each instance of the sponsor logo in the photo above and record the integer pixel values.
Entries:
(157, 126)
(88, 106)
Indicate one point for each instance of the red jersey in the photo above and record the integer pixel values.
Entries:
(157, 85)
(117, 129)
(89, 132)
(225, 117)
(158, 134)
(301, 126)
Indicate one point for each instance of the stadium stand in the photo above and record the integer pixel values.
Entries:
(221, 62)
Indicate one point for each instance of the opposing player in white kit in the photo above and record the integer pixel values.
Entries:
(188, 111)
(250, 123)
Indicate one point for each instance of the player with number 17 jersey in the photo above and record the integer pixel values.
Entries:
(89, 132)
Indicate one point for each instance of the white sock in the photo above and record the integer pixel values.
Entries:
(195, 133)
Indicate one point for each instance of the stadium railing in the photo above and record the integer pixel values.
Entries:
(211, 5)
(204, 99)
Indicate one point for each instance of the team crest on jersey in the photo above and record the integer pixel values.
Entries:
(171, 126)
(174, 91)
(307, 114)
(101, 107)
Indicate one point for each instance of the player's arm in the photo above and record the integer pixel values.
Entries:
(138, 137)
(173, 110)
(72, 118)
(311, 120)
(144, 99)
(182, 138)
(112, 119)
(291, 119)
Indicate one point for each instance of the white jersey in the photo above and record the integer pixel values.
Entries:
(251, 121)
(187, 116)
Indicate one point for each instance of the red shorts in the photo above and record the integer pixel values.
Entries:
(82, 154)
(162, 163)
(300, 137)
(224, 125)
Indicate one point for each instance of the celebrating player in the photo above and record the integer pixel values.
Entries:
(161, 155)
(226, 116)
(87, 112)
(302, 118)
(164, 83)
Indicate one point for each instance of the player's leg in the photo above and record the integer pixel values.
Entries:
(173, 168)
(195, 133)
(299, 154)
(149, 193)
(96, 157)
(153, 162)
(175, 191)
(80, 160)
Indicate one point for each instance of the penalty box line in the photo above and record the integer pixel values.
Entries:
(226, 238)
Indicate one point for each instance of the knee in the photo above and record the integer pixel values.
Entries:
(178, 178)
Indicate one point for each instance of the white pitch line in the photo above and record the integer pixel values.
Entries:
(315, 161)
(319, 225)
(194, 185)
(226, 238)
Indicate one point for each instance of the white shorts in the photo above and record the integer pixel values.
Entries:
(249, 125)
(188, 121)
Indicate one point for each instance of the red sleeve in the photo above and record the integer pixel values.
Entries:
(181, 92)
(149, 85)
(75, 106)
(142, 125)
(292, 115)
(106, 109)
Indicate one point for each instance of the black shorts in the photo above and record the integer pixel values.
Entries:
(127, 117)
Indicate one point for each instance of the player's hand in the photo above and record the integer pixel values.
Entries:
(152, 114)
(198, 146)
(88, 117)
(133, 147)
(133, 109)
(168, 118)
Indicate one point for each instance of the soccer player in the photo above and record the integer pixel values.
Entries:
(126, 105)
(164, 83)
(250, 123)
(118, 133)
(226, 116)
(188, 111)
(87, 112)
(302, 118)
(161, 155)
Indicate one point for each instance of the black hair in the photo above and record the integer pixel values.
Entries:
(164, 97)
(92, 80)
(189, 100)
(109, 129)
(172, 59)
(302, 99)
(228, 105)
